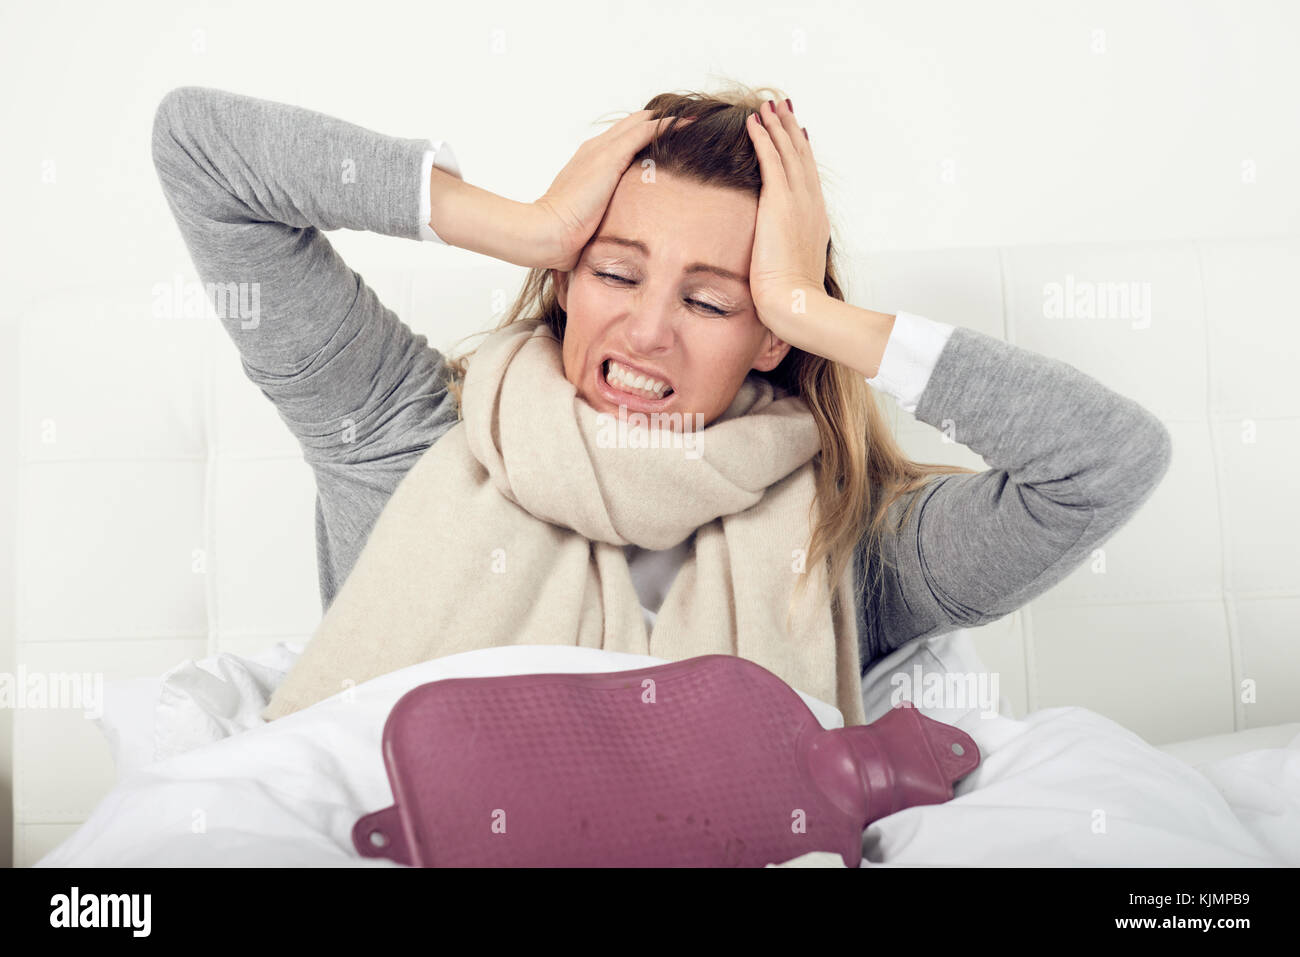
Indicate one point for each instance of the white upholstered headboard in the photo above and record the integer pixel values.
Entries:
(166, 514)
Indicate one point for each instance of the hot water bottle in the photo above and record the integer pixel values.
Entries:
(711, 761)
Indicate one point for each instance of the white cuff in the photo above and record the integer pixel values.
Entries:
(445, 159)
(910, 356)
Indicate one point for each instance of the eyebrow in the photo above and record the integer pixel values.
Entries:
(692, 268)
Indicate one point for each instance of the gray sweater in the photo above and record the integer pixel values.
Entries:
(254, 185)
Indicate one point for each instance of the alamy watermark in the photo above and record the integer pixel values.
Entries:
(53, 689)
(197, 300)
(948, 690)
(1085, 299)
(656, 430)
(77, 909)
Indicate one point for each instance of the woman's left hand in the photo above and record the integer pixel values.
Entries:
(787, 268)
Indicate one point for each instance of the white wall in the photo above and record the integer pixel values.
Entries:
(940, 124)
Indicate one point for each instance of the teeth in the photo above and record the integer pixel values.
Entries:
(629, 380)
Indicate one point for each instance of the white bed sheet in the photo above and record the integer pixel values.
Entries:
(1060, 787)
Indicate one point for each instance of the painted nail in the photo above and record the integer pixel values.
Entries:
(771, 105)
(788, 105)
(805, 134)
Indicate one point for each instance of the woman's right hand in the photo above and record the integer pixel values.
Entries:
(567, 215)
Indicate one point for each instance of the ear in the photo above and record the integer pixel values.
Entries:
(774, 350)
(561, 281)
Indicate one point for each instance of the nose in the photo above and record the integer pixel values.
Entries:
(650, 325)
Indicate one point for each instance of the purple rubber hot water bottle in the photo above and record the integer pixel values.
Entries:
(711, 761)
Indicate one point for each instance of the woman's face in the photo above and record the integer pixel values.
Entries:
(674, 305)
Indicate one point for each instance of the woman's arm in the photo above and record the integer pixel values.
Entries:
(473, 218)
(252, 184)
(1070, 459)
(1070, 462)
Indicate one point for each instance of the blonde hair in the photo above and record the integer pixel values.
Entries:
(860, 470)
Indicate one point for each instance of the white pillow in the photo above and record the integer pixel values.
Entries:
(1067, 787)
(127, 721)
(916, 671)
(151, 718)
(204, 700)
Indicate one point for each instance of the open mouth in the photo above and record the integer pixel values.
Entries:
(627, 381)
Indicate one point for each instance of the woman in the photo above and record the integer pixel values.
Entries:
(680, 264)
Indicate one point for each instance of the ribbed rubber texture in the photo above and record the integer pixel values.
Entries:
(697, 763)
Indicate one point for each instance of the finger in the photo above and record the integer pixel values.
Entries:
(633, 133)
(788, 122)
(639, 119)
(621, 126)
(790, 162)
(769, 158)
(807, 163)
(648, 126)
(800, 163)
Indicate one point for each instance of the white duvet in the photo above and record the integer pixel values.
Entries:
(203, 781)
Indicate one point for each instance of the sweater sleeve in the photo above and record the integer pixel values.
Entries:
(439, 155)
(913, 348)
(253, 186)
(1070, 462)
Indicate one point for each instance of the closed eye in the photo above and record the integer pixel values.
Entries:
(714, 310)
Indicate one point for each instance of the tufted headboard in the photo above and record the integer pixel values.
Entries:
(165, 512)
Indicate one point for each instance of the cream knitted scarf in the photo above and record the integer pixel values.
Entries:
(510, 530)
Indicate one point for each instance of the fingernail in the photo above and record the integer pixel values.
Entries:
(788, 105)
(805, 134)
(771, 105)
